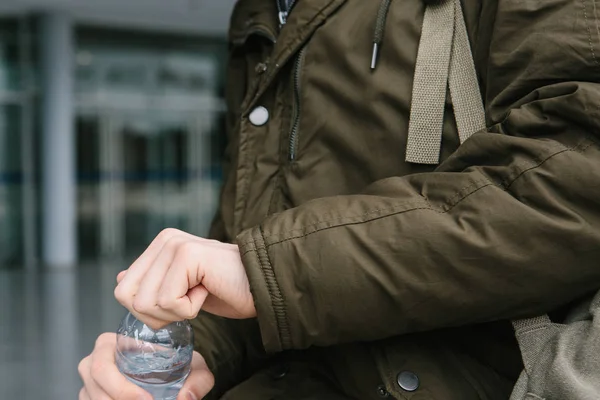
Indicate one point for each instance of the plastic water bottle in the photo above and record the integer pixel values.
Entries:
(157, 361)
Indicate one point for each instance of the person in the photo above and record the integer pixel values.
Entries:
(337, 269)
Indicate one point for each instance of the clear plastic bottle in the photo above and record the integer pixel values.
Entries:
(157, 361)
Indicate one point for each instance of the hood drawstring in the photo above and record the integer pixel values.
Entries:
(384, 7)
(444, 63)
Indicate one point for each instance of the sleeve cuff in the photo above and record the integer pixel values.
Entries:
(268, 299)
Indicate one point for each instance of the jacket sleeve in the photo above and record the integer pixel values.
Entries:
(232, 349)
(507, 227)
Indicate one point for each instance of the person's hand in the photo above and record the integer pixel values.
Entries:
(179, 274)
(103, 381)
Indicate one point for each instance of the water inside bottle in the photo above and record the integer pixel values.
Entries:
(161, 373)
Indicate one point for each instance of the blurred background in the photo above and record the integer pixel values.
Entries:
(111, 129)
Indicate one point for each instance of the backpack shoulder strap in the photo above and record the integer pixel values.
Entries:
(444, 60)
(532, 335)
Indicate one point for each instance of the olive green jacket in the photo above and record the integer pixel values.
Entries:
(369, 272)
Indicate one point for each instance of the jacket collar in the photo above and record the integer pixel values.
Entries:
(258, 17)
(301, 24)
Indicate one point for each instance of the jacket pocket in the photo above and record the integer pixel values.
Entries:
(294, 380)
(442, 372)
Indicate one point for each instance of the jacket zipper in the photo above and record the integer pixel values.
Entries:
(284, 10)
(297, 108)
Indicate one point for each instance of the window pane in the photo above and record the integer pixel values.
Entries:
(11, 211)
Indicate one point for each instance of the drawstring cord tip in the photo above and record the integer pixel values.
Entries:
(374, 56)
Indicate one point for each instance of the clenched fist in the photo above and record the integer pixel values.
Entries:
(179, 274)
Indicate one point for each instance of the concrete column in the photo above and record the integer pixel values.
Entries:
(59, 235)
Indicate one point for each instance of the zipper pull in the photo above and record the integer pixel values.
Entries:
(282, 17)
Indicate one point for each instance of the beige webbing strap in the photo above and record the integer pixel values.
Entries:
(444, 60)
(532, 334)
(430, 84)
(464, 86)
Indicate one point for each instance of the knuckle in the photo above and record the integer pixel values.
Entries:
(187, 250)
(104, 338)
(99, 342)
(189, 314)
(121, 294)
(175, 242)
(209, 379)
(205, 382)
(97, 368)
(82, 367)
(166, 234)
(142, 305)
(165, 302)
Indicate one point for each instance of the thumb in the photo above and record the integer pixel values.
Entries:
(199, 382)
(121, 275)
(197, 296)
(190, 305)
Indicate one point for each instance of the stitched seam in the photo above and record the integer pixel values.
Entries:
(393, 210)
(534, 329)
(243, 180)
(505, 188)
(460, 195)
(596, 18)
(535, 396)
(277, 299)
(276, 188)
(383, 212)
(247, 247)
(589, 32)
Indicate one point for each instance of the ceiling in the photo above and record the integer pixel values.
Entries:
(190, 16)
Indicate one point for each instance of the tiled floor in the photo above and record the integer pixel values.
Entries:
(48, 322)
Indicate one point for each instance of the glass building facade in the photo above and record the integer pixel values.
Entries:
(15, 118)
(145, 129)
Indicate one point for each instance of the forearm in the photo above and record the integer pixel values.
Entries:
(509, 227)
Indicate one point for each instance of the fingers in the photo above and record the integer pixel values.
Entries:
(172, 280)
(90, 389)
(138, 278)
(172, 260)
(107, 375)
(83, 395)
(199, 382)
(102, 379)
(146, 302)
(181, 292)
(121, 275)
(134, 274)
(163, 237)
(196, 297)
